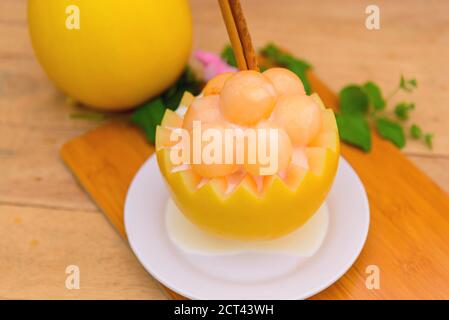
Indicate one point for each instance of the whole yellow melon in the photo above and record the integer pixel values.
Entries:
(111, 54)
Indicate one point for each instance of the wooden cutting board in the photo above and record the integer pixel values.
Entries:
(409, 233)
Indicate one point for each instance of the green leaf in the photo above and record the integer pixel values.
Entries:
(273, 52)
(415, 131)
(186, 82)
(428, 140)
(402, 110)
(353, 100)
(407, 84)
(172, 101)
(270, 50)
(391, 131)
(227, 54)
(354, 129)
(402, 81)
(376, 101)
(297, 66)
(149, 116)
(263, 68)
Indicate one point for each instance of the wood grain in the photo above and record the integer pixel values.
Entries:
(409, 221)
(435, 167)
(244, 35)
(33, 174)
(105, 160)
(39, 243)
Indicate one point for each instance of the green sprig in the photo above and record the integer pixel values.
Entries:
(362, 104)
(428, 140)
(391, 131)
(408, 84)
(403, 109)
(416, 132)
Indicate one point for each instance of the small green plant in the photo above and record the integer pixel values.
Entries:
(363, 106)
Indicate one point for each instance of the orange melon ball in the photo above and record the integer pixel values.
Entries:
(299, 116)
(284, 81)
(281, 155)
(247, 98)
(216, 84)
(210, 160)
(204, 109)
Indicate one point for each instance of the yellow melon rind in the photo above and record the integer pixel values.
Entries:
(316, 98)
(244, 214)
(171, 120)
(163, 138)
(187, 99)
(329, 122)
(294, 176)
(326, 139)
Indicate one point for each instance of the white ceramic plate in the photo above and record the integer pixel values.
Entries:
(246, 275)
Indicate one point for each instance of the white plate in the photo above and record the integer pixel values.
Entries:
(204, 277)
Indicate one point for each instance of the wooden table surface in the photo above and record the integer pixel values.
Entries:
(47, 221)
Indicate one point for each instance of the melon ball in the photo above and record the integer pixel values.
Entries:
(247, 98)
(204, 109)
(300, 116)
(216, 84)
(284, 81)
(210, 160)
(272, 163)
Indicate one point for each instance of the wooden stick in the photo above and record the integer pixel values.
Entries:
(244, 36)
(239, 34)
(233, 34)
